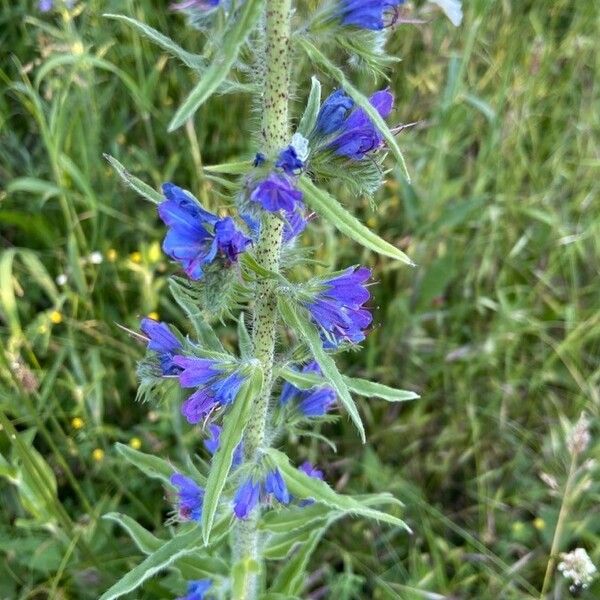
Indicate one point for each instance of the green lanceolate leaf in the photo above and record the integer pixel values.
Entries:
(290, 579)
(234, 424)
(363, 387)
(234, 168)
(143, 189)
(329, 208)
(223, 61)
(184, 544)
(152, 466)
(279, 545)
(144, 540)
(309, 118)
(244, 340)
(194, 61)
(297, 319)
(303, 486)
(294, 518)
(371, 389)
(363, 102)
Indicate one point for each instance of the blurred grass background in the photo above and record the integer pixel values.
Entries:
(498, 328)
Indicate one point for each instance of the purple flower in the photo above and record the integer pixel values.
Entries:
(196, 236)
(212, 444)
(333, 112)
(288, 161)
(216, 387)
(197, 589)
(311, 470)
(274, 484)
(246, 498)
(337, 307)
(45, 5)
(357, 135)
(195, 5)
(277, 192)
(314, 402)
(162, 341)
(368, 14)
(190, 497)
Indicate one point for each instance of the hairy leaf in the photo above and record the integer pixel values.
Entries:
(143, 189)
(297, 319)
(150, 465)
(329, 208)
(224, 60)
(303, 486)
(309, 118)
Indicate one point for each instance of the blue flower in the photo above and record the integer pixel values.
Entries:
(196, 236)
(289, 161)
(337, 307)
(45, 5)
(212, 444)
(277, 192)
(333, 112)
(314, 402)
(217, 386)
(259, 159)
(246, 498)
(310, 470)
(162, 341)
(368, 14)
(274, 484)
(195, 5)
(357, 135)
(190, 497)
(196, 589)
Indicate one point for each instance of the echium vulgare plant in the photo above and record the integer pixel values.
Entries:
(250, 506)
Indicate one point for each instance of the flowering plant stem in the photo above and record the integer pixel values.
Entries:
(560, 523)
(275, 135)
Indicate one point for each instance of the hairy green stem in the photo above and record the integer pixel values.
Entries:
(275, 135)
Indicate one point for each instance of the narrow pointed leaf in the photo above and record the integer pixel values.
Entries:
(194, 61)
(143, 189)
(144, 540)
(152, 466)
(329, 208)
(303, 486)
(296, 318)
(244, 340)
(362, 101)
(289, 580)
(224, 60)
(183, 544)
(234, 424)
(313, 104)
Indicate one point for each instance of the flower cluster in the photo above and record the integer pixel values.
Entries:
(314, 402)
(337, 307)
(368, 14)
(190, 497)
(218, 384)
(196, 237)
(351, 133)
(162, 341)
(251, 489)
(577, 567)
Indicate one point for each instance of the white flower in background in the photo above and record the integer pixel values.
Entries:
(577, 567)
(95, 258)
(61, 279)
(579, 438)
(453, 10)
